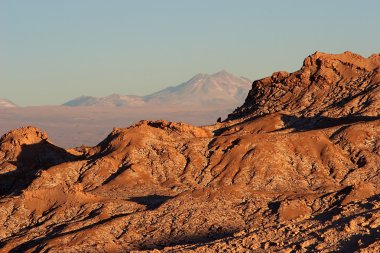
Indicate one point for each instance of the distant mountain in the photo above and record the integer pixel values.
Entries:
(5, 103)
(219, 89)
(112, 100)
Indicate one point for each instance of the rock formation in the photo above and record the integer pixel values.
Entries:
(294, 169)
(326, 85)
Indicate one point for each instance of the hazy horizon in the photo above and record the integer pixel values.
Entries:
(51, 51)
(153, 92)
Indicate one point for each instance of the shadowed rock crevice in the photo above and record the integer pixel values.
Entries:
(120, 170)
(299, 124)
(152, 201)
(31, 159)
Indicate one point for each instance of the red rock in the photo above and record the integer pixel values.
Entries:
(294, 168)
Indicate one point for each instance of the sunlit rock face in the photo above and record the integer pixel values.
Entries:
(294, 169)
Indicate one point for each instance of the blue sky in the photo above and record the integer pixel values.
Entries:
(53, 50)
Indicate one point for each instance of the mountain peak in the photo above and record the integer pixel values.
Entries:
(223, 73)
(5, 103)
(221, 88)
(218, 89)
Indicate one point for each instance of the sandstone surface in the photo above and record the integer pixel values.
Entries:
(296, 168)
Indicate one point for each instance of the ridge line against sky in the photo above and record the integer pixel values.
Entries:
(52, 51)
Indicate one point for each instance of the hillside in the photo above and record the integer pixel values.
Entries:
(326, 85)
(294, 169)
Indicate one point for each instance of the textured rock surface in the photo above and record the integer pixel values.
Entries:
(295, 169)
(326, 85)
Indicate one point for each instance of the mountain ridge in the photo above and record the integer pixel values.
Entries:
(5, 103)
(274, 177)
(319, 88)
(202, 89)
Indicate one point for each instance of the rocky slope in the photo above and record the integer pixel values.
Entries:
(295, 169)
(326, 85)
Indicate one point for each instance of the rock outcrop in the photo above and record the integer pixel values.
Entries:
(294, 169)
(327, 85)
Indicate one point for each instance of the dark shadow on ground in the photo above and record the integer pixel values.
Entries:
(356, 241)
(335, 207)
(56, 232)
(151, 201)
(199, 239)
(32, 158)
(301, 124)
(220, 131)
(120, 170)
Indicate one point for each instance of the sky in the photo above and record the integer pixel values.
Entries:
(52, 51)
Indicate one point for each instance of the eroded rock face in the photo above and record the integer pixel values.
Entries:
(12, 142)
(327, 85)
(23, 152)
(274, 177)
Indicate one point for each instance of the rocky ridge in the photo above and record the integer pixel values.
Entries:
(326, 85)
(294, 169)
